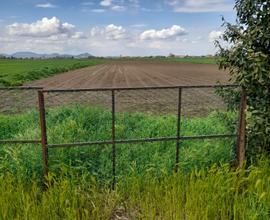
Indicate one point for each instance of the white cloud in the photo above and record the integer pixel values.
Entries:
(114, 7)
(41, 28)
(114, 32)
(110, 32)
(49, 35)
(163, 34)
(78, 35)
(95, 31)
(99, 46)
(118, 8)
(193, 6)
(45, 5)
(106, 3)
(214, 35)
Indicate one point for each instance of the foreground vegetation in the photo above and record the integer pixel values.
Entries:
(215, 193)
(79, 183)
(248, 62)
(76, 123)
(14, 72)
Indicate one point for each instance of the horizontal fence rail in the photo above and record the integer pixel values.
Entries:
(143, 140)
(141, 88)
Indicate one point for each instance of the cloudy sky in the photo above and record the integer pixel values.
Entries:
(113, 27)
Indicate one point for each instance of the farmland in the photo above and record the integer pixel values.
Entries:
(147, 188)
(194, 60)
(16, 72)
(184, 59)
(139, 73)
(135, 134)
(122, 73)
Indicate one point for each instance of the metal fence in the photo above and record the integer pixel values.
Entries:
(178, 100)
(113, 94)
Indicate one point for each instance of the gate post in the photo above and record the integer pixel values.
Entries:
(113, 141)
(42, 119)
(178, 129)
(241, 139)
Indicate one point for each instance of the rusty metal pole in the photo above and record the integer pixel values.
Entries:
(113, 141)
(241, 140)
(42, 119)
(179, 107)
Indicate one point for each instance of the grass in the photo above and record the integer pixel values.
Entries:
(14, 72)
(76, 123)
(78, 184)
(194, 60)
(216, 193)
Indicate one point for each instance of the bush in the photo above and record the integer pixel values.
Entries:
(248, 59)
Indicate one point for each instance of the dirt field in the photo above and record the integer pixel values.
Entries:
(195, 102)
(136, 74)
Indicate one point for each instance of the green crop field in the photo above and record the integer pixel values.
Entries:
(79, 181)
(187, 59)
(194, 60)
(16, 72)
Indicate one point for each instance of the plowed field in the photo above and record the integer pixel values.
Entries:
(196, 102)
(136, 74)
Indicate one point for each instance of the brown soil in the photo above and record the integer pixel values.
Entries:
(136, 74)
(195, 102)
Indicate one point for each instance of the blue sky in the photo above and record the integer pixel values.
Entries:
(113, 27)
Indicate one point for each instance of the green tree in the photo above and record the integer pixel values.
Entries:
(247, 57)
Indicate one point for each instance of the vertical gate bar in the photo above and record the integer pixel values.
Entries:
(42, 119)
(113, 140)
(241, 139)
(179, 108)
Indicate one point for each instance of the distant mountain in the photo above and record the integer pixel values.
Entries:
(25, 55)
(28, 55)
(3, 55)
(84, 55)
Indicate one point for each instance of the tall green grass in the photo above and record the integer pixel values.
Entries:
(80, 124)
(215, 193)
(206, 187)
